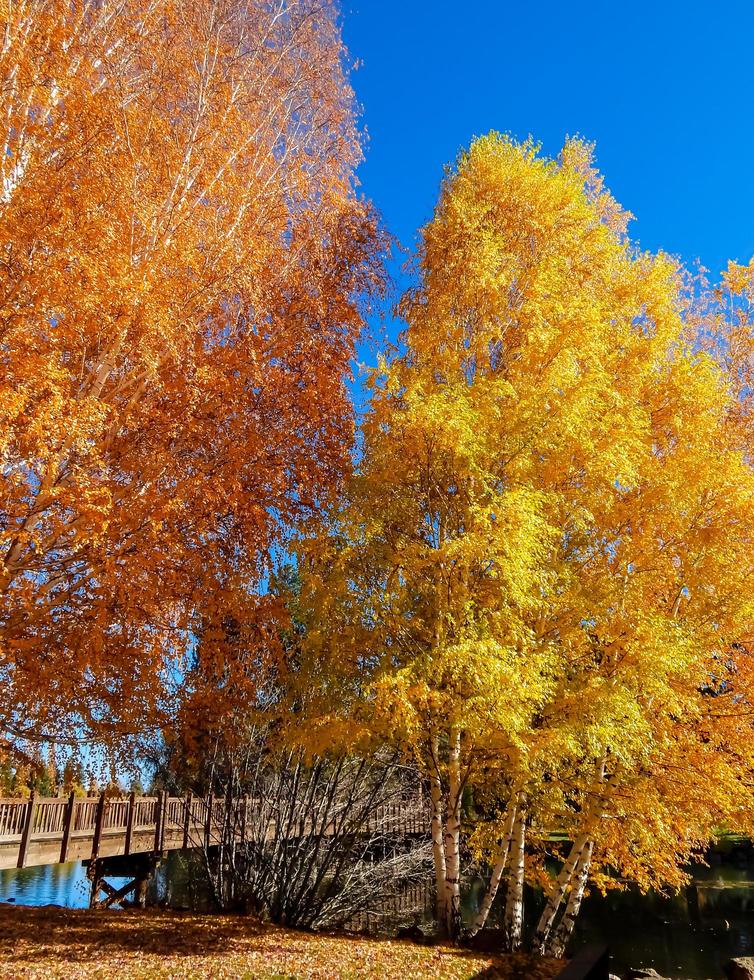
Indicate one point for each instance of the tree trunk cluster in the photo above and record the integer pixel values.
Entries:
(566, 891)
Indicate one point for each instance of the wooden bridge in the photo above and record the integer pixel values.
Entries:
(43, 830)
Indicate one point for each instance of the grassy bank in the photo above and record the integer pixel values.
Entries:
(51, 942)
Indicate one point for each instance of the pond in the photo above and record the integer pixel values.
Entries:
(689, 935)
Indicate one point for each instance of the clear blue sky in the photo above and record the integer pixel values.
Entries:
(665, 89)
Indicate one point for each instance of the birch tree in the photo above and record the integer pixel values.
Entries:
(537, 565)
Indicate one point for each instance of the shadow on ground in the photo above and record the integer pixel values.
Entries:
(41, 939)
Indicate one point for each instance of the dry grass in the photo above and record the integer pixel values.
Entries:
(51, 942)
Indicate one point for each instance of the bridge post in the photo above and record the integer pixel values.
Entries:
(140, 892)
(67, 826)
(26, 834)
(187, 820)
(158, 823)
(94, 874)
(99, 820)
(164, 819)
(130, 823)
(208, 821)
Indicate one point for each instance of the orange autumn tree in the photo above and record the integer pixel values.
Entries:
(545, 551)
(182, 251)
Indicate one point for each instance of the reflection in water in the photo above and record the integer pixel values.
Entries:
(689, 935)
(51, 884)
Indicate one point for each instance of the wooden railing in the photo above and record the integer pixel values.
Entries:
(44, 830)
(399, 818)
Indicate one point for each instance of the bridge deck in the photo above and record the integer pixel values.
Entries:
(45, 830)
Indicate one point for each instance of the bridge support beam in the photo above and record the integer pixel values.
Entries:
(138, 868)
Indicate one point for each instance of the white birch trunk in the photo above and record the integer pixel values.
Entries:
(557, 944)
(438, 827)
(514, 899)
(558, 890)
(569, 871)
(497, 872)
(453, 839)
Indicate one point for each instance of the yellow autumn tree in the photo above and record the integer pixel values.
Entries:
(667, 597)
(519, 586)
(182, 250)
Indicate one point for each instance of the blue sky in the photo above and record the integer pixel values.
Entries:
(666, 91)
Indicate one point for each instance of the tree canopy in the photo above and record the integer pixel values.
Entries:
(528, 572)
(183, 259)
(539, 577)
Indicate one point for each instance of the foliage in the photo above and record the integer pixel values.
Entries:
(43, 942)
(23, 769)
(181, 254)
(534, 586)
(538, 582)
